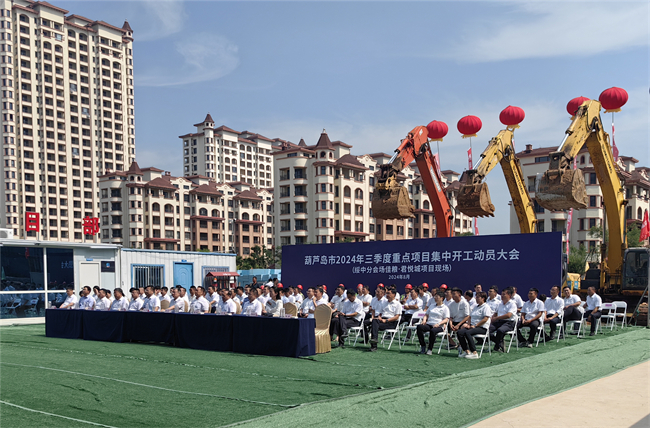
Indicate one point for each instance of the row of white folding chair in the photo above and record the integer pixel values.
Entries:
(412, 325)
(621, 314)
(393, 332)
(609, 317)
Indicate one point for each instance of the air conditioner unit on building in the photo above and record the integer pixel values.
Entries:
(6, 234)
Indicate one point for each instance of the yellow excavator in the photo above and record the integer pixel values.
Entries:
(474, 196)
(623, 272)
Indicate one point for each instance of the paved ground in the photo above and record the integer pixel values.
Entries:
(616, 401)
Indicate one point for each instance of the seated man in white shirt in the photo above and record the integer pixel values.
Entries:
(469, 296)
(183, 293)
(164, 295)
(136, 303)
(307, 305)
(192, 293)
(493, 298)
(434, 322)
(263, 295)
(517, 299)
(200, 305)
(338, 299)
(376, 304)
(387, 319)
(227, 306)
(103, 304)
(70, 301)
(213, 297)
(458, 313)
(297, 295)
(503, 320)
(142, 294)
(273, 306)
(412, 304)
(478, 323)
(350, 314)
(477, 289)
(177, 303)
(325, 295)
(365, 298)
(554, 306)
(151, 302)
(287, 296)
(448, 295)
(531, 311)
(109, 295)
(422, 295)
(120, 303)
(573, 309)
(238, 295)
(593, 305)
(318, 299)
(253, 307)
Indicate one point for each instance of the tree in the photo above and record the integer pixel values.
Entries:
(577, 260)
(260, 258)
(465, 234)
(633, 235)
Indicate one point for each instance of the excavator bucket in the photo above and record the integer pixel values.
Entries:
(561, 190)
(393, 203)
(474, 200)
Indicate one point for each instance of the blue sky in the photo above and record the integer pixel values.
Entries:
(369, 72)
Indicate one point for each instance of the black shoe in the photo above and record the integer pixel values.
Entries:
(548, 338)
(592, 334)
(341, 345)
(344, 336)
(551, 337)
(499, 350)
(372, 349)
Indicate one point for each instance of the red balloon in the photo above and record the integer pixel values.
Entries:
(573, 105)
(512, 115)
(469, 125)
(437, 130)
(613, 98)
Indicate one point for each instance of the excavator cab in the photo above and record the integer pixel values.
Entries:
(390, 200)
(474, 199)
(560, 188)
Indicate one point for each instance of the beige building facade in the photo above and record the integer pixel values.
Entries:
(67, 115)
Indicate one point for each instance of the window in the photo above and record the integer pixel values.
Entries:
(592, 178)
(541, 159)
(145, 275)
(540, 226)
(389, 229)
(592, 201)
(538, 208)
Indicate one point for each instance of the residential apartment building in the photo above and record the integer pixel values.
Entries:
(149, 208)
(637, 192)
(323, 194)
(225, 155)
(67, 115)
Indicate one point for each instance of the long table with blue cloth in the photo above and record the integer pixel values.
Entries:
(284, 337)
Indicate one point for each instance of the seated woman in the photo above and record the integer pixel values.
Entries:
(479, 322)
(433, 322)
(274, 304)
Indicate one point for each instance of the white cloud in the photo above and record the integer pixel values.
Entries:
(551, 29)
(198, 57)
(169, 18)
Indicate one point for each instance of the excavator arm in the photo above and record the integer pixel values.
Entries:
(391, 201)
(474, 196)
(562, 187)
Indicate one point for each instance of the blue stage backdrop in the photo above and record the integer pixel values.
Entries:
(522, 260)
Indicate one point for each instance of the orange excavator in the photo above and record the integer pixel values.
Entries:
(391, 200)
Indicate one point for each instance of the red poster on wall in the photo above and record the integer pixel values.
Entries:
(32, 222)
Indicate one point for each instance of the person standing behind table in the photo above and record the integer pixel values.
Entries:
(387, 319)
(573, 309)
(554, 307)
(479, 323)
(103, 304)
(307, 305)
(136, 303)
(274, 305)
(200, 305)
(151, 302)
(71, 302)
(228, 305)
(120, 303)
(253, 306)
(493, 298)
(177, 303)
(503, 320)
(532, 310)
(350, 315)
(434, 322)
(593, 304)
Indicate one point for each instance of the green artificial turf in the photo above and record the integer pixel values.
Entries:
(143, 385)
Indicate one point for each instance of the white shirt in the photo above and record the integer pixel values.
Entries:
(391, 309)
(200, 305)
(480, 312)
(322, 301)
(425, 300)
(87, 302)
(103, 304)
(255, 307)
(307, 305)
(298, 298)
(150, 303)
(447, 302)
(493, 303)
(135, 304)
(273, 307)
(518, 300)
(326, 297)
(554, 306)
(263, 299)
(166, 297)
(348, 307)
(71, 299)
(177, 305)
(377, 304)
(413, 302)
(573, 299)
(120, 304)
(187, 299)
(458, 311)
(531, 309)
(435, 314)
(337, 300)
(472, 305)
(594, 302)
(228, 307)
(289, 299)
(365, 298)
(510, 307)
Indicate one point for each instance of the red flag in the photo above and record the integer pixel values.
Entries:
(645, 228)
(614, 148)
(568, 229)
(475, 227)
(469, 158)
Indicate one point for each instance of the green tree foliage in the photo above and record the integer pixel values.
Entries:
(261, 258)
(633, 235)
(465, 234)
(578, 259)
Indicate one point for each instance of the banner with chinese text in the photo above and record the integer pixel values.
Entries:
(523, 260)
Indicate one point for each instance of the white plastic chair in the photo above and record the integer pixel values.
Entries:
(444, 335)
(609, 317)
(560, 327)
(357, 331)
(513, 335)
(393, 332)
(621, 312)
(412, 325)
(581, 323)
(540, 331)
(486, 339)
